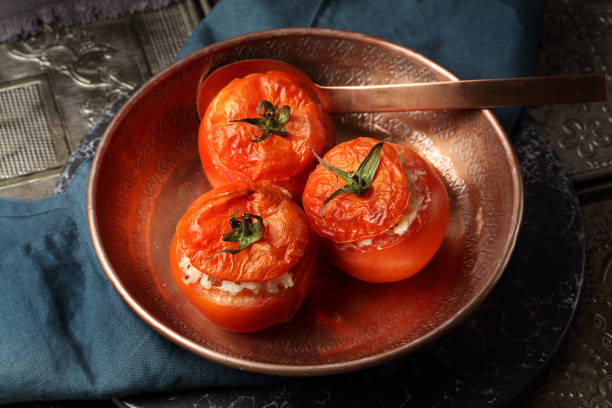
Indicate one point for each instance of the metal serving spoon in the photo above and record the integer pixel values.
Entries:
(471, 94)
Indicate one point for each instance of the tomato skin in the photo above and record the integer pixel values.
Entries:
(287, 245)
(200, 232)
(391, 257)
(294, 185)
(228, 155)
(246, 311)
(377, 210)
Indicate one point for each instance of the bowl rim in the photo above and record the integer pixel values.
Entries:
(282, 369)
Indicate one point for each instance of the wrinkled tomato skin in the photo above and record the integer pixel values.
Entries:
(247, 312)
(347, 217)
(286, 233)
(294, 185)
(272, 160)
(407, 254)
(286, 245)
(213, 175)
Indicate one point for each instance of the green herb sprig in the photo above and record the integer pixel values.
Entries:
(271, 121)
(359, 181)
(244, 231)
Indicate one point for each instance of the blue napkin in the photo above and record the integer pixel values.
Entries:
(66, 333)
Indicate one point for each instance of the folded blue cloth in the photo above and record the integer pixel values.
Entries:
(66, 333)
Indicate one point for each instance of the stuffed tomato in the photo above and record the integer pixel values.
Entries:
(244, 256)
(380, 209)
(263, 127)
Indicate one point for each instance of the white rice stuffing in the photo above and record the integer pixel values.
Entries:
(409, 215)
(191, 275)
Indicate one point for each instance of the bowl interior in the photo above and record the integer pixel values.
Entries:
(147, 172)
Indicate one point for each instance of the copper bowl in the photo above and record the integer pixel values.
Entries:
(146, 172)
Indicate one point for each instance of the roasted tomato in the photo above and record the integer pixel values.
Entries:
(244, 256)
(263, 127)
(387, 232)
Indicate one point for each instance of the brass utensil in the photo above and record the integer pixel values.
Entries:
(470, 94)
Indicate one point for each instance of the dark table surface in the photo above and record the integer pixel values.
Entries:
(575, 39)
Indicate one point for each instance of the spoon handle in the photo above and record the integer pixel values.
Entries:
(471, 94)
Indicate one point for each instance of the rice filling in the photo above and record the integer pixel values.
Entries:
(191, 275)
